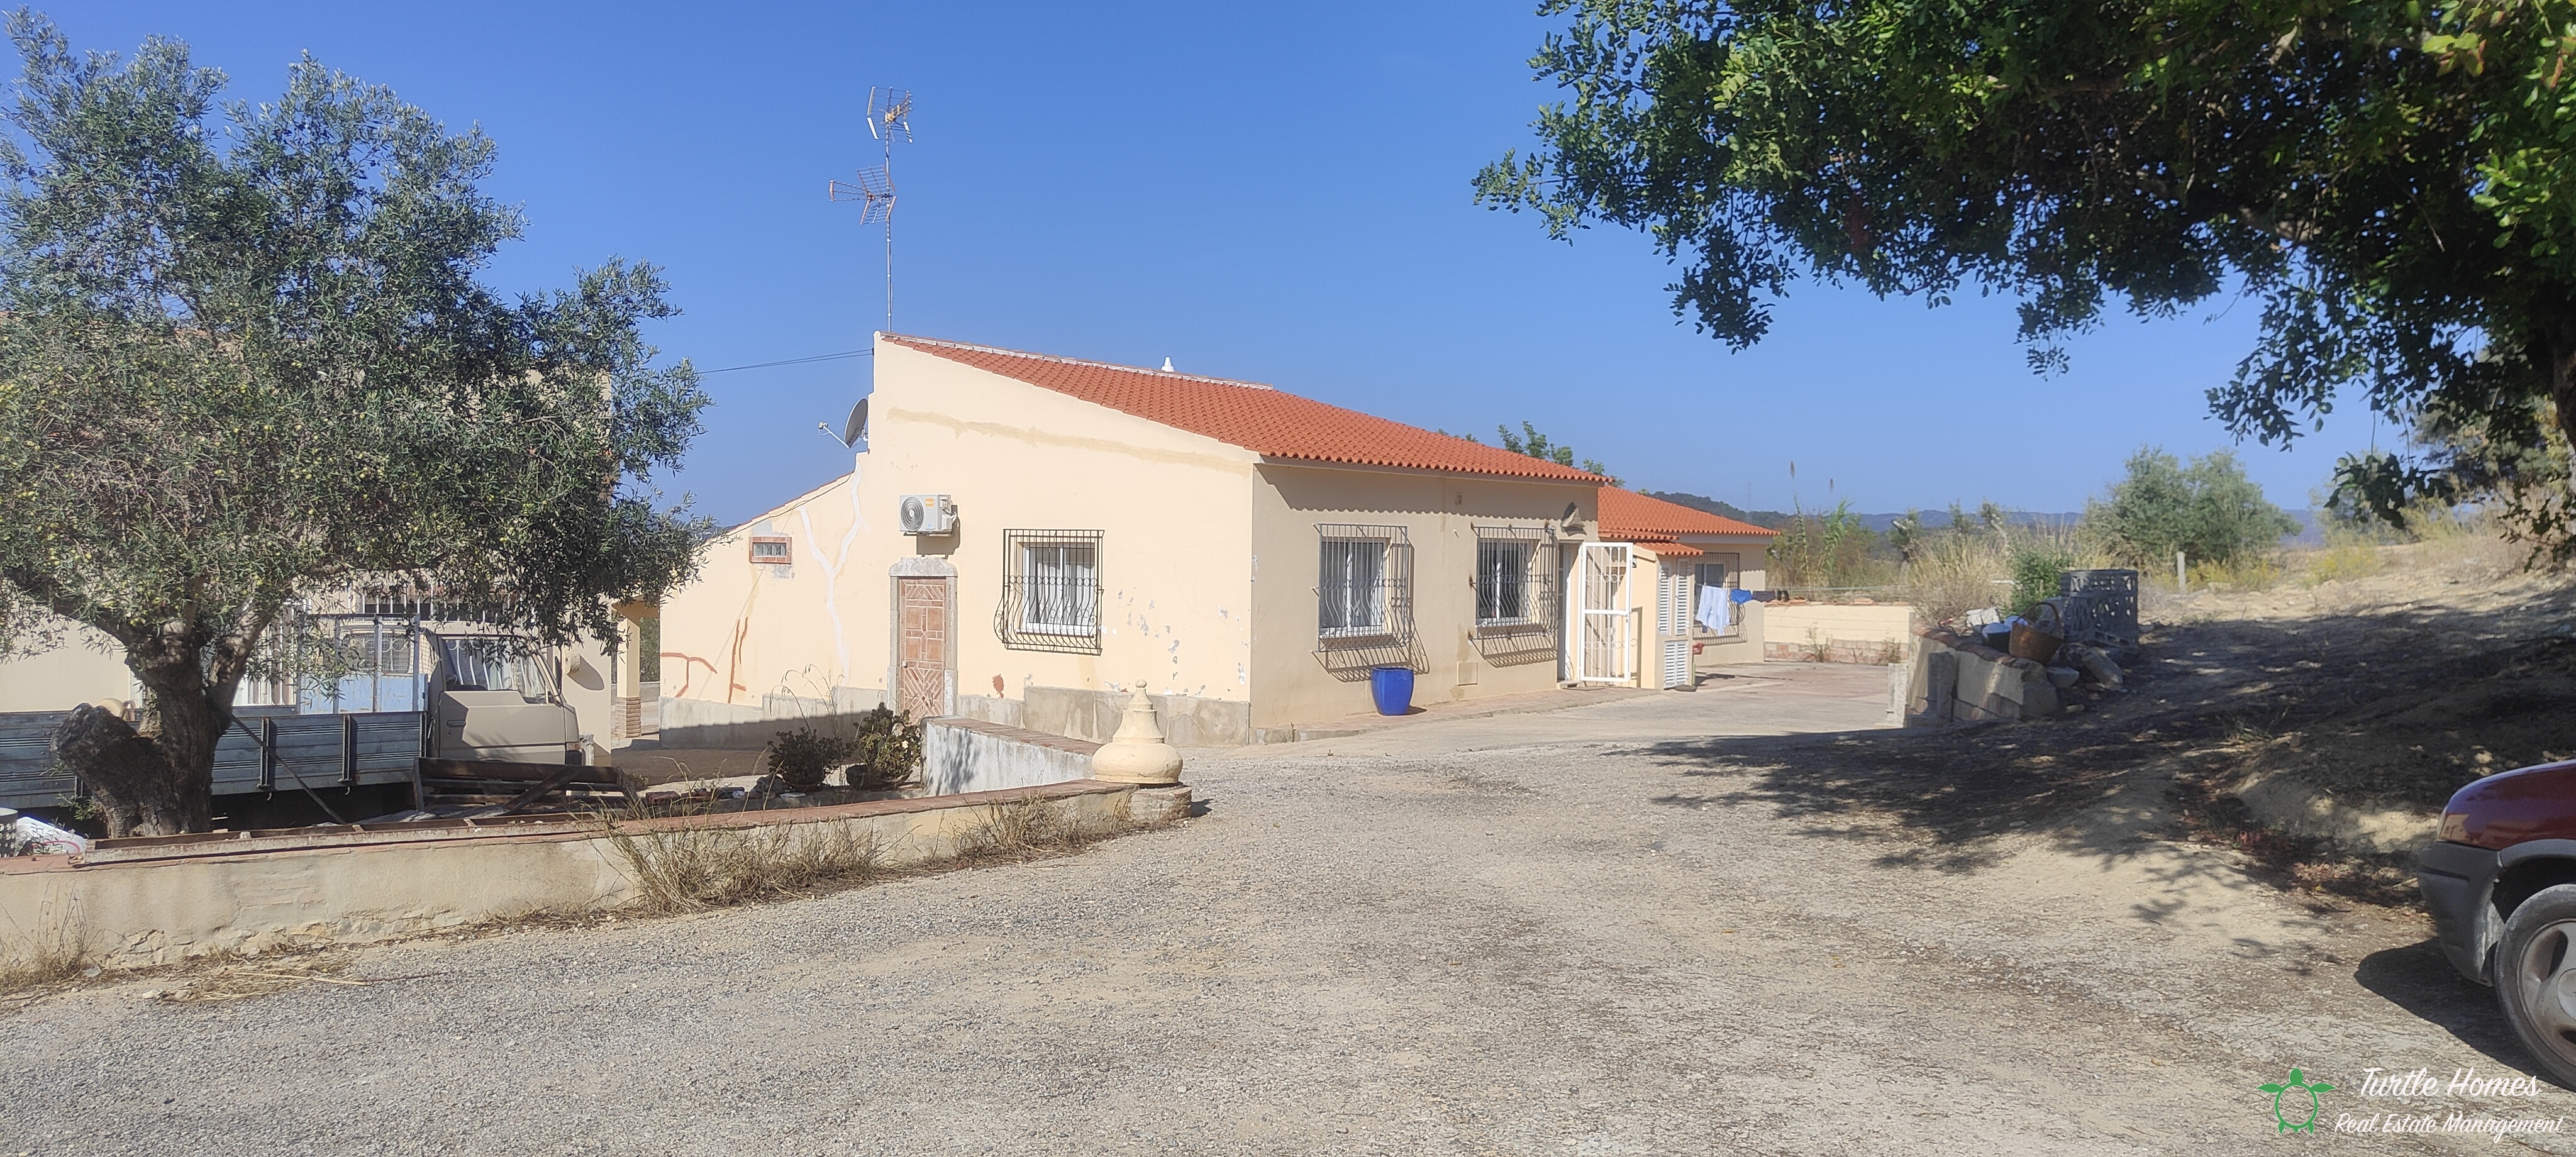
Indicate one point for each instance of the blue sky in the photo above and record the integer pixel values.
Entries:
(1274, 195)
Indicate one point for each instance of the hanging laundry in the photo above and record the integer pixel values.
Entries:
(1716, 610)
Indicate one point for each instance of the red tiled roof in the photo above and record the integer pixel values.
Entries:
(1255, 417)
(1633, 517)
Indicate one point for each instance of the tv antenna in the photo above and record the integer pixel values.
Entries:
(889, 121)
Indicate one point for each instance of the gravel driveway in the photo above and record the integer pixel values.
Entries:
(1594, 931)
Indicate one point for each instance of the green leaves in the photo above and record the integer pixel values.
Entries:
(246, 359)
(2390, 180)
(2208, 509)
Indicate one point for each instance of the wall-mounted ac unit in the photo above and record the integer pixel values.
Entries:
(928, 514)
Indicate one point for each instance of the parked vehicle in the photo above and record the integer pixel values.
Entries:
(350, 744)
(2501, 883)
(492, 699)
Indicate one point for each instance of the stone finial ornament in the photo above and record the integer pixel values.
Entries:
(1137, 754)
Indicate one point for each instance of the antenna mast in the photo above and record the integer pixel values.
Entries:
(889, 121)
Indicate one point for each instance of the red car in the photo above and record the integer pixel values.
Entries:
(2501, 882)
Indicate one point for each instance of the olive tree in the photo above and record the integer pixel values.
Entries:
(245, 360)
(2208, 510)
(2389, 178)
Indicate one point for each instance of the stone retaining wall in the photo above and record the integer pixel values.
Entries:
(1954, 680)
(138, 903)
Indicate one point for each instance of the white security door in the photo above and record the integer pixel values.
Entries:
(1604, 636)
(1673, 624)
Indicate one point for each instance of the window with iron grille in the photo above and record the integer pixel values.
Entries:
(1050, 591)
(1511, 589)
(1515, 585)
(1364, 583)
(774, 550)
(1363, 599)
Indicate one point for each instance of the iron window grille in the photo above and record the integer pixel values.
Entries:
(1364, 583)
(1514, 589)
(1050, 591)
(774, 550)
(1363, 598)
(1516, 601)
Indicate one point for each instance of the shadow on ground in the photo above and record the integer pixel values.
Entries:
(2416, 978)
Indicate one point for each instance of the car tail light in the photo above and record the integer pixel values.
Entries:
(2455, 827)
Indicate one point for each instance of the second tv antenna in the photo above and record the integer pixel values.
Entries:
(889, 121)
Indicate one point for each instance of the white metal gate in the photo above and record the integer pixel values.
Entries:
(1673, 624)
(1604, 636)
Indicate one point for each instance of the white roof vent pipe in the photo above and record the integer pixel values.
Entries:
(1167, 364)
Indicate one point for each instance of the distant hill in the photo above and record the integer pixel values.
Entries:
(1767, 519)
(1775, 519)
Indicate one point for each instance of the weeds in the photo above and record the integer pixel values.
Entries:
(689, 869)
(48, 952)
(2249, 573)
(1026, 831)
(2343, 558)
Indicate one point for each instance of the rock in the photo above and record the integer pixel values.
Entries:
(2064, 677)
(2096, 665)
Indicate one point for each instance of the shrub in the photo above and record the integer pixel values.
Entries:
(886, 751)
(801, 757)
(2036, 566)
(1953, 573)
(2209, 510)
(1828, 550)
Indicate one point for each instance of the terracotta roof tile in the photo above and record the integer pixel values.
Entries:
(1630, 516)
(1255, 417)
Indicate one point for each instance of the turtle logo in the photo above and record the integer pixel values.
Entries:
(2296, 1095)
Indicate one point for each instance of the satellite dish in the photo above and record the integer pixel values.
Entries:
(855, 431)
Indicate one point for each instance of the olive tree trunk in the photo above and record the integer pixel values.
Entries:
(160, 780)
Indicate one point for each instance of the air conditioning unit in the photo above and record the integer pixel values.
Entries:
(928, 514)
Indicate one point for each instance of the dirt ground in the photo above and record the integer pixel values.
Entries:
(1653, 925)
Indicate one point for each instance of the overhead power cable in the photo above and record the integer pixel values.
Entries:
(793, 361)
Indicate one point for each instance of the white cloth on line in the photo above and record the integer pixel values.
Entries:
(1716, 609)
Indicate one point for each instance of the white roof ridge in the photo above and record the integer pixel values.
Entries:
(1038, 357)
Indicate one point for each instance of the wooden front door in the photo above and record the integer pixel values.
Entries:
(921, 647)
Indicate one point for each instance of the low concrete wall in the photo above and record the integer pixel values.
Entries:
(962, 755)
(694, 723)
(149, 902)
(1842, 632)
(1187, 720)
(1954, 680)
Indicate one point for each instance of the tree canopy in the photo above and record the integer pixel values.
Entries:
(245, 359)
(2209, 510)
(2389, 178)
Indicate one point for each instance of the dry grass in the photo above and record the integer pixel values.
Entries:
(1029, 830)
(1956, 573)
(692, 869)
(240, 981)
(2342, 559)
(1952, 574)
(48, 953)
(2244, 574)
